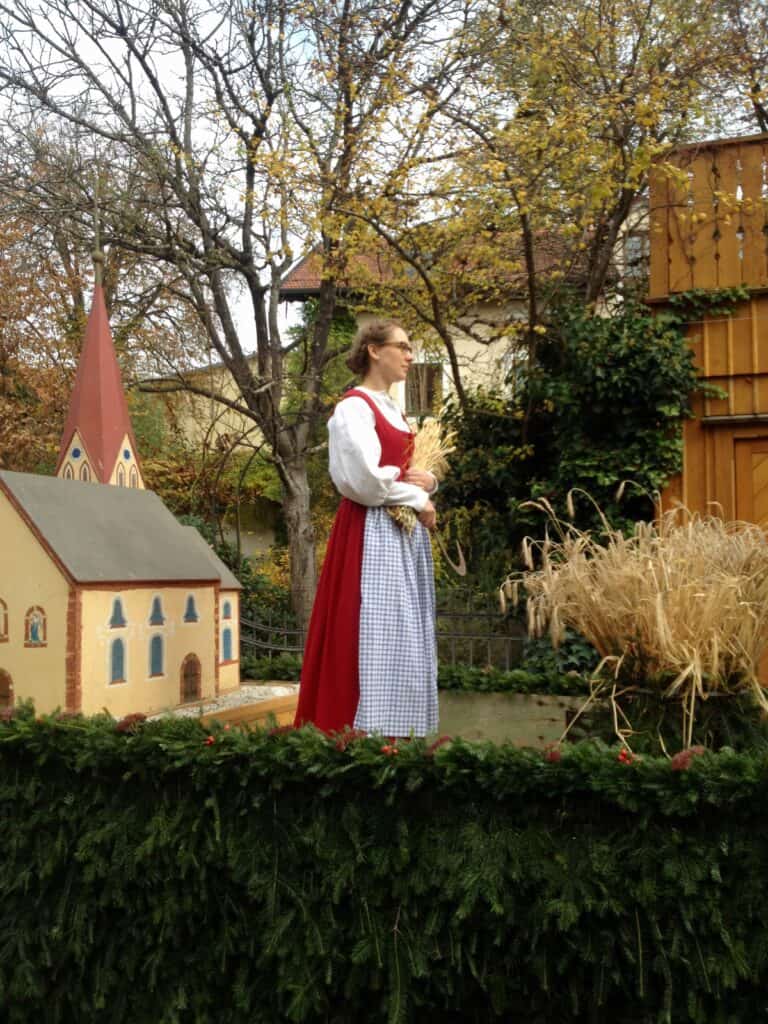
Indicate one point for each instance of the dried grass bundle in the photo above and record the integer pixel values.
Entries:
(681, 605)
(430, 451)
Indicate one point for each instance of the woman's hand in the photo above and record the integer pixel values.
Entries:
(428, 516)
(421, 478)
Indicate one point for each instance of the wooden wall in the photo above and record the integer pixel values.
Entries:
(709, 229)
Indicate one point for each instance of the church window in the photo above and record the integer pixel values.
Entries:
(156, 617)
(117, 661)
(85, 473)
(120, 476)
(3, 621)
(76, 453)
(118, 618)
(35, 628)
(156, 656)
(134, 477)
(126, 454)
(69, 473)
(227, 610)
(226, 645)
(190, 611)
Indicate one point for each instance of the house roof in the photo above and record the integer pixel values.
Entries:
(97, 408)
(105, 534)
(551, 253)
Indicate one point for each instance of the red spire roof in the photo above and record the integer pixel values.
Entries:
(98, 409)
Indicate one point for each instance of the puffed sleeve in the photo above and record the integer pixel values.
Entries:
(354, 453)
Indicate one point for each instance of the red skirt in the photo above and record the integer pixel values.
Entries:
(330, 692)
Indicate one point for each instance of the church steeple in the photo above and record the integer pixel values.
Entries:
(97, 443)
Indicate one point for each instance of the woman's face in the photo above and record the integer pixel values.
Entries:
(392, 359)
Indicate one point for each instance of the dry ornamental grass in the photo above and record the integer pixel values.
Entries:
(681, 605)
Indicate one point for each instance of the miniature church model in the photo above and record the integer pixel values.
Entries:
(106, 601)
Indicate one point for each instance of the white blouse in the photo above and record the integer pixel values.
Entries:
(354, 452)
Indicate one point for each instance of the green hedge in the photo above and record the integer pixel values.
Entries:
(154, 873)
(450, 677)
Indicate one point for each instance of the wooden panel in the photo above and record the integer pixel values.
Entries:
(751, 460)
(729, 245)
(719, 406)
(680, 240)
(741, 325)
(743, 397)
(722, 489)
(704, 227)
(754, 265)
(716, 348)
(658, 284)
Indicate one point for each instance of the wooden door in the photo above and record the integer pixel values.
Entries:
(751, 464)
(190, 679)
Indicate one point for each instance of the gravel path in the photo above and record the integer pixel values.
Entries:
(251, 693)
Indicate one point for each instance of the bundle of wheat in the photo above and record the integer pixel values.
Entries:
(681, 605)
(430, 450)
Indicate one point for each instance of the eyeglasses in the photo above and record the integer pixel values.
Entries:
(402, 345)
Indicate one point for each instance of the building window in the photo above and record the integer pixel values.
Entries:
(227, 610)
(35, 628)
(636, 254)
(68, 472)
(85, 473)
(134, 476)
(226, 645)
(423, 389)
(3, 621)
(156, 617)
(190, 612)
(120, 476)
(117, 661)
(6, 690)
(156, 656)
(118, 618)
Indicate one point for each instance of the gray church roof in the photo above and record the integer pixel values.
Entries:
(107, 534)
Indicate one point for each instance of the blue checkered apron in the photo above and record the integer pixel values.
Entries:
(397, 654)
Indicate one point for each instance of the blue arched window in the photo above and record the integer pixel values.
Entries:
(156, 617)
(226, 645)
(156, 656)
(118, 618)
(117, 662)
(227, 610)
(190, 612)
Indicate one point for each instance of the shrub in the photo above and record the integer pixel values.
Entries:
(170, 875)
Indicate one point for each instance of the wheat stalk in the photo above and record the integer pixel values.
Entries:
(430, 450)
(680, 605)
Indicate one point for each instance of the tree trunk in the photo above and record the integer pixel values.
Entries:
(301, 539)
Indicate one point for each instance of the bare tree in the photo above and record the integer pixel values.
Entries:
(235, 134)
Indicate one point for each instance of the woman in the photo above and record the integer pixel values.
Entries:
(370, 660)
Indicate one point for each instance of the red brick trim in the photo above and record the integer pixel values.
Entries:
(216, 595)
(74, 644)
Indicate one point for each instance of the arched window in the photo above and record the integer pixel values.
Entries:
(69, 472)
(35, 628)
(156, 656)
(156, 617)
(3, 621)
(6, 690)
(226, 645)
(120, 476)
(85, 473)
(190, 612)
(134, 476)
(118, 618)
(226, 610)
(117, 661)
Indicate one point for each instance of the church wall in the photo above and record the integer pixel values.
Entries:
(30, 579)
(229, 669)
(140, 690)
